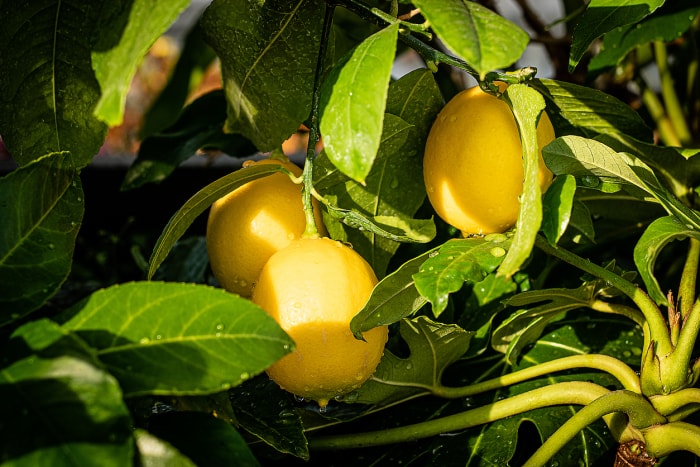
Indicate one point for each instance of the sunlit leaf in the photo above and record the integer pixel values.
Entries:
(41, 207)
(154, 452)
(353, 103)
(557, 207)
(171, 338)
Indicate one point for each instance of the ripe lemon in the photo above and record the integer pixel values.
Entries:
(251, 223)
(473, 168)
(313, 288)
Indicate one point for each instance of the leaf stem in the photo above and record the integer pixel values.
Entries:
(662, 440)
(657, 112)
(567, 393)
(687, 288)
(668, 92)
(311, 229)
(667, 404)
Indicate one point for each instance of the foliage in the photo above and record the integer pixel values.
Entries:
(564, 340)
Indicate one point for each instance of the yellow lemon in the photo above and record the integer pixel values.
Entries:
(473, 166)
(313, 288)
(251, 223)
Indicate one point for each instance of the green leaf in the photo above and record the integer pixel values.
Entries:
(458, 261)
(381, 210)
(197, 204)
(581, 220)
(667, 23)
(126, 36)
(557, 207)
(42, 208)
(63, 411)
(353, 99)
(433, 347)
(656, 236)
(416, 98)
(154, 452)
(485, 40)
(395, 297)
(203, 438)
(188, 262)
(527, 106)
(200, 126)
(268, 52)
(591, 111)
(49, 90)
(169, 338)
(602, 16)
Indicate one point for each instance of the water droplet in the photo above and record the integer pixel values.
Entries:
(433, 254)
(158, 337)
(285, 346)
(144, 340)
(627, 354)
(219, 327)
(409, 365)
(51, 246)
(245, 376)
(248, 163)
(590, 181)
(497, 251)
(394, 183)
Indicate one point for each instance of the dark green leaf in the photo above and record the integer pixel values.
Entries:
(485, 40)
(200, 126)
(659, 233)
(197, 204)
(433, 346)
(154, 452)
(49, 90)
(582, 221)
(203, 438)
(170, 338)
(527, 106)
(602, 16)
(124, 39)
(416, 98)
(667, 23)
(42, 206)
(268, 53)
(188, 262)
(591, 111)
(353, 103)
(557, 207)
(458, 261)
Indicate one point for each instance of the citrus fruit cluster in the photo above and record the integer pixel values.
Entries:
(473, 167)
(312, 287)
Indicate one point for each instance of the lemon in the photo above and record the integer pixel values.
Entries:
(473, 168)
(313, 288)
(251, 223)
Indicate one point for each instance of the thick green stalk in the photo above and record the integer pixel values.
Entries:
(639, 410)
(687, 288)
(657, 112)
(662, 440)
(668, 91)
(314, 133)
(667, 404)
(568, 393)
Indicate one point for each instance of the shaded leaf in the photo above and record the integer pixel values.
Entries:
(188, 262)
(49, 90)
(126, 36)
(485, 40)
(581, 220)
(602, 16)
(197, 204)
(268, 53)
(154, 452)
(557, 207)
(42, 208)
(416, 98)
(169, 338)
(353, 99)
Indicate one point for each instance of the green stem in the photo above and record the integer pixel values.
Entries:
(640, 411)
(668, 91)
(314, 133)
(568, 393)
(667, 404)
(627, 377)
(690, 328)
(662, 440)
(687, 288)
(658, 328)
(656, 109)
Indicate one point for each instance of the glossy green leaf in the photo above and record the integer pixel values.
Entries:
(127, 35)
(485, 40)
(353, 100)
(667, 23)
(200, 126)
(591, 111)
(416, 98)
(49, 90)
(458, 261)
(581, 220)
(203, 438)
(42, 206)
(395, 297)
(391, 195)
(268, 53)
(170, 338)
(557, 207)
(527, 106)
(64, 410)
(197, 204)
(657, 235)
(602, 16)
(154, 452)
(433, 347)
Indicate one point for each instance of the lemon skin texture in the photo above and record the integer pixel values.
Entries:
(251, 223)
(473, 167)
(313, 288)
